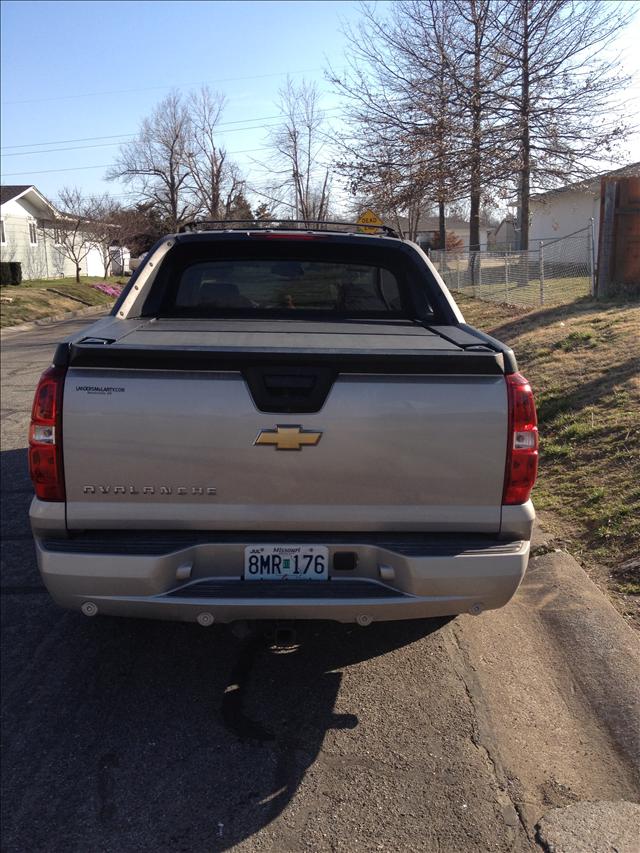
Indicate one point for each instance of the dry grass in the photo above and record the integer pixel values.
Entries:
(33, 300)
(583, 361)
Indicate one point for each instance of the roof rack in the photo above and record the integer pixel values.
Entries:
(281, 225)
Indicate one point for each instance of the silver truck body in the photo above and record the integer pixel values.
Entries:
(168, 482)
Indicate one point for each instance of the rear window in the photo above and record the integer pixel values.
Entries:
(255, 285)
(338, 276)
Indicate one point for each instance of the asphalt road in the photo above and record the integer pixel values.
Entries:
(130, 735)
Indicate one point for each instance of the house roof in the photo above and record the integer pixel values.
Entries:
(432, 223)
(14, 192)
(9, 192)
(592, 184)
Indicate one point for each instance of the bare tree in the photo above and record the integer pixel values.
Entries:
(395, 193)
(298, 144)
(216, 180)
(102, 226)
(406, 140)
(71, 236)
(155, 163)
(263, 213)
(234, 201)
(443, 109)
(484, 95)
(476, 42)
(140, 226)
(176, 164)
(563, 102)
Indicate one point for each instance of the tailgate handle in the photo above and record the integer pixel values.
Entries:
(284, 382)
(290, 388)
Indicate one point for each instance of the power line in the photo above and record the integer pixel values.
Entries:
(65, 141)
(52, 150)
(110, 144)
(50, 171)
(129, 135)
(166, 86)
(103, 165)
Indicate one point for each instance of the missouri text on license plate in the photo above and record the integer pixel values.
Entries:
(293, 562)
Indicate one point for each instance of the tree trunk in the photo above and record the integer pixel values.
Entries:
(476, 153)
(77, 274)
(474, 224)
(525, 145)
(442, 227)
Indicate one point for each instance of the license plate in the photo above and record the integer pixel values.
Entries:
(290, 562)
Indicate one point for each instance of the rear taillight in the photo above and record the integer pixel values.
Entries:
(45, 437)
(522, 447)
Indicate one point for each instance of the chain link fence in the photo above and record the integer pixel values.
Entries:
(555, 272)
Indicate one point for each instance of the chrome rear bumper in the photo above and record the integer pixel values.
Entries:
(184, 576)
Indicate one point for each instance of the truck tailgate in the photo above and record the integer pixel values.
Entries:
(159, 431)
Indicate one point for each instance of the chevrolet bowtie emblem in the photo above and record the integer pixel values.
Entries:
(288, 437)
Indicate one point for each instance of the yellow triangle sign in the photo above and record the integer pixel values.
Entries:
(369, 218)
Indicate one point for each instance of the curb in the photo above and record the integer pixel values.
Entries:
(602, 650)
(555, 683)
(47, 321)
(594, 826)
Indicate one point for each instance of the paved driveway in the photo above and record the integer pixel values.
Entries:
(128, 735)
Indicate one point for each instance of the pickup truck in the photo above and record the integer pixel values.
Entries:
(284, 422)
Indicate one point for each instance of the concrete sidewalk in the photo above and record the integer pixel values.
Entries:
(555, 680)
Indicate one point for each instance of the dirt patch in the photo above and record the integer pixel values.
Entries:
(583, 361)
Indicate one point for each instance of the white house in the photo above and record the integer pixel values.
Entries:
(504, 237)
(120, 259)
(27, 236)
(566, 210)
(429, 229)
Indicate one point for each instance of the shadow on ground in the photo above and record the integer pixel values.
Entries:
(547, 316)
(138, 735)
(587, 393)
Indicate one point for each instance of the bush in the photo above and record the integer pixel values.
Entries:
(10, 272)
(453, 243)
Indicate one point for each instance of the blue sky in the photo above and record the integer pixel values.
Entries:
(76, 70)
(90, 70)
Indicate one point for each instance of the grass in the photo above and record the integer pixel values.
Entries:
(574, 340)
(39, 298)
(583, 361)
(527, 293)
(516, 284)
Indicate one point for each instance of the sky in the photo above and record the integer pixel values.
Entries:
(79, 77)
(90, 70)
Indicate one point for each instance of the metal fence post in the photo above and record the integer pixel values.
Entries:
(541, 272)
(592, 260)
(479, 257)
(506, 276)
(458, 271)
(473, 257)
